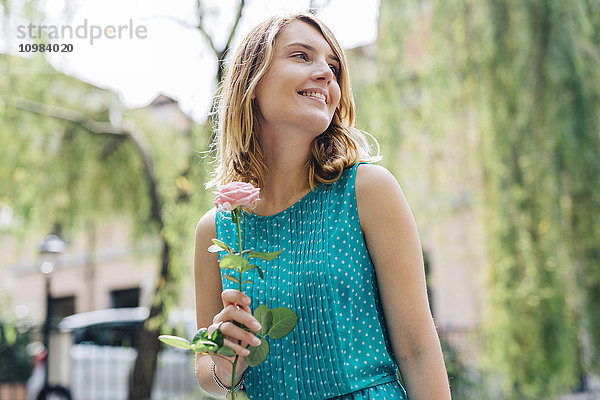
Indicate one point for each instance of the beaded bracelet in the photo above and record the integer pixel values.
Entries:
(221, 385)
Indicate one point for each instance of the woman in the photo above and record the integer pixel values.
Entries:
(351, 266)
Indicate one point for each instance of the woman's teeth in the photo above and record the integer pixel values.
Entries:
(314, 94)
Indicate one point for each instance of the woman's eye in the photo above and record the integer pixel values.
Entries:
(334, 69)
(301, 55)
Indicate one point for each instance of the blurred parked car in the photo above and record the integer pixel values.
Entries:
(97, 352)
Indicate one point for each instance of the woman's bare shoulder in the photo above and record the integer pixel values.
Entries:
(378, 195)
(375, 185)
(206, 224)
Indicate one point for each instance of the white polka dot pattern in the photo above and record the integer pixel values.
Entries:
(340, 346)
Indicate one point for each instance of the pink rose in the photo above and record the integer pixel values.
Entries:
(236, 194)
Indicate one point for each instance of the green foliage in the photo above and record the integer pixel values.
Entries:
(202, 343)
(57, 172)
(264, 256)
(66, 164)
(501, 99)
(15, 361)
(539, 125)
(222, 245)
(258, 354)
(284, 321)
(265, 317)
(276, 324)
(232, 261)
(175, 341)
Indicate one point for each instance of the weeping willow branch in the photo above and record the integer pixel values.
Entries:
(145, 364)
(129, 131)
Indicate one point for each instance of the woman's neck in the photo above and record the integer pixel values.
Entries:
(287, 177)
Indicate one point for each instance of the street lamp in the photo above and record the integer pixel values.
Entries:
(49, 249)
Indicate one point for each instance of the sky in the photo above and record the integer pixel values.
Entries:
(141, 48)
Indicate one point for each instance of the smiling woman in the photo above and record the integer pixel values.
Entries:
(299, 88)
(351, 266)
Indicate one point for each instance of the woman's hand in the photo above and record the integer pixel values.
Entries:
(236, 309)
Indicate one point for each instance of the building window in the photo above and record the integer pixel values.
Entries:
(125, 298)
(61, 307)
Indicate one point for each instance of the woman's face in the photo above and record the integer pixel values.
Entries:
(300, 88)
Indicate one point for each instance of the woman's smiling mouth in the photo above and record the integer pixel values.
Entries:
(315, 95)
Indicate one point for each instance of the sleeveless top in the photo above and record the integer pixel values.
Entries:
(340, 346)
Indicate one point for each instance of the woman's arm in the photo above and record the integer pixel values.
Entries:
(215, 307)
(393, 242)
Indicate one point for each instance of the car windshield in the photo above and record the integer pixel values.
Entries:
(123, 334)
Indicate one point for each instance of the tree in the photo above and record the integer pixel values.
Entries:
(97, 162)
(542, 98)
(15, 361)
(514, 84)
(97, 167)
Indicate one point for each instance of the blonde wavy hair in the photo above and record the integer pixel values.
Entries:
(238, 155)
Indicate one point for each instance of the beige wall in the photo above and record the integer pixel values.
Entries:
(99, 260)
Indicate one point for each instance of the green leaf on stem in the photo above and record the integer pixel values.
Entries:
(252, 266)
(232, 278)
(284, 321)
(202, 334)
(264, 256)
(233, 261)
(265, 318)
(175, 341)
(258, 354)
(248, 281)
(204, 345)
(217, 337)
(226, 351)
(222, 245)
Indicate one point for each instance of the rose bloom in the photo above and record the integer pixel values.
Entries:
(236, 194)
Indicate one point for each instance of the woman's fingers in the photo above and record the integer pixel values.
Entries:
(235, 337)
(231, 296)
(236, 333)
(236, 310)
(233, 313)
(236, 306)
(240, 350)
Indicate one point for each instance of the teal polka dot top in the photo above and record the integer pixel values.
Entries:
(340, 347)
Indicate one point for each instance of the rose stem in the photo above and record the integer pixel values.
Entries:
(238, 215)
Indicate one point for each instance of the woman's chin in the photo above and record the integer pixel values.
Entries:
(317, 125)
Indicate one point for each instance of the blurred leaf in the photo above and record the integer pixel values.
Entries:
(175, 341)
(264, 256)
(231, 278)
(233, 261)
(202, 346)
(222, 245)
(251, 267)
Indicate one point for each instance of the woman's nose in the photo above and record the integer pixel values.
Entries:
(323, 71)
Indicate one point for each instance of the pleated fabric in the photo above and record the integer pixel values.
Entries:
(340, 347)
